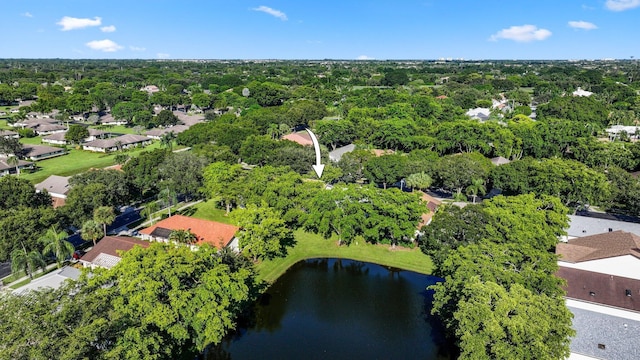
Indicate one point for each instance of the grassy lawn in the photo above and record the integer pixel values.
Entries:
(207, 211)
(76, 161)
(310, 246)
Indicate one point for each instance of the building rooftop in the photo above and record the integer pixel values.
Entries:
(109, 248)
(52, 280)
(54, 184)
(302, 137)
(580, 226)
(600, 246)
(214, 233)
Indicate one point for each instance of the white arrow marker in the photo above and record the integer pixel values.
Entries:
(318, 167)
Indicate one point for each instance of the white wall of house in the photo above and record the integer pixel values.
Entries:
(625, 266)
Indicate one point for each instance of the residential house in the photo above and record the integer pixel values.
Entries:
(108, 119)
(9, 134)
(41, 152)
(52, 280)
(59, 138)
(481, 114)
(6, 168)
(336, 154)
(187, 119)
(55, 139)
(301, 137)
(116, 143)
(432, 205)
(150, 89)
(214, 233)
(159, 133)
(57, 187)
(603, 292)
(580, 92)
(106, 253)
(581, 226)
(499, 160)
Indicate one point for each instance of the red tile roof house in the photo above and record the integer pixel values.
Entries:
(301, 137)
(107, 251)
(216, 234)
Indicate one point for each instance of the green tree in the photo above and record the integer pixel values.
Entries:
(10, 146)
(16, 193)
(263, 234)
(421, 181)
(76, 134)
(15, 162)
(476, 187)
(496, 323)
(166, 118)
(56, 244)
(167, 140)
(91, 230)
(104, 215)
(183, 237)
(183, 173)
(27, 261)
(164, 302)
(222, 181)
(456, 172)
(386, 169)
(337, 211)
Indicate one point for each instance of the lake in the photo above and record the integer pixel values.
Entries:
(340, 309)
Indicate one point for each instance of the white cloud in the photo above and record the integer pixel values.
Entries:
(621, 5)
(137, 48)
(108, 29)
(27, 14)
(584, 25)
(524, 33)
(163, 55)
(105, 45)
(364, 57)
(273, 12)
(71, 23)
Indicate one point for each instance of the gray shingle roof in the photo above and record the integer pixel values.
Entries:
(585, 226)
(55, 184)
(618, 335)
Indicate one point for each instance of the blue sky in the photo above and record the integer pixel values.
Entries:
(328, 29)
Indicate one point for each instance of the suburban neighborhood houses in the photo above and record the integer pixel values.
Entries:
(147, 205)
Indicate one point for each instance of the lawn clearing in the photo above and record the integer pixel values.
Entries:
(77, 161)
(310, 246)
(208, 211)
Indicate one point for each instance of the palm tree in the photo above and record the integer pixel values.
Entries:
(150, 209)
(183, 237)
(27, 261)
(91, 230)
(420, 181)
(476, 187)
(167, 140)
(55, 243)
(104, 215)
(14, 161)
(169, 196)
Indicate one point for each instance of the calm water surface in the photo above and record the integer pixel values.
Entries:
(340, 309)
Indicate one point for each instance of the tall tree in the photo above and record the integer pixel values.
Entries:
(183, 237)
(76, 134)
(56, 244)
(91, 230)
(496, 323)
(27, 261)
(104, 215)
(223, 181)
(263, 234)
